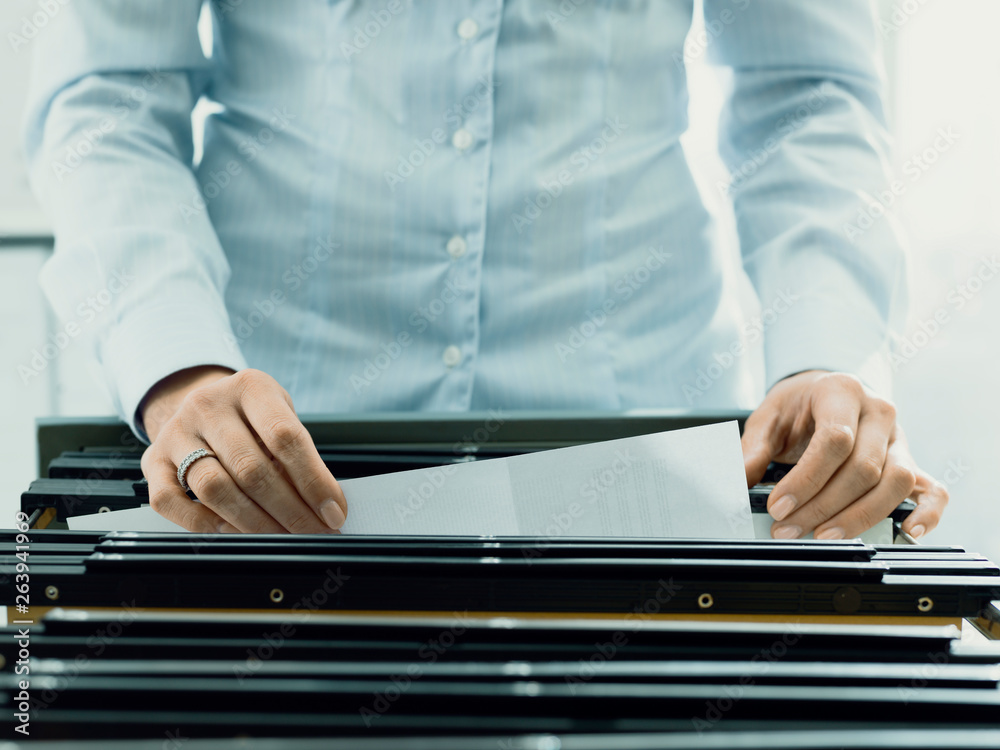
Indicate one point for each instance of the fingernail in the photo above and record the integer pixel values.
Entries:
(918, 531)
(783, 507)
(226, 528)
(831, 533)
(332, 514)
(787, 532)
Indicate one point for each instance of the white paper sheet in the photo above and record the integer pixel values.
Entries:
(684, 483)
(133, 519)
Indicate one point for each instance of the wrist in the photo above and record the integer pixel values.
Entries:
(163, 399)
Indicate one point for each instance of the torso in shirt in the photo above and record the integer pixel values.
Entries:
(460, 205)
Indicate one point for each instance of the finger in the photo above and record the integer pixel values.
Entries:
(896, 484)
(856, 477)
(836, 409)
(218, 491)
(260, 479)
(931, 497)
(761, 441)
(168, 499)
(290, 443)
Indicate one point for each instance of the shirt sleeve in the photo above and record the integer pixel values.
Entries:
(138, 274)
(803, 134)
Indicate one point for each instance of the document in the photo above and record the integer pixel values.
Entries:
(683, 483)
(133, 519)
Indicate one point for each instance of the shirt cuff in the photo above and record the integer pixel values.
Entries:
(159, 340)
(821, 334)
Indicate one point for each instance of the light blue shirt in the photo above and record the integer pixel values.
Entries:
(414, 205)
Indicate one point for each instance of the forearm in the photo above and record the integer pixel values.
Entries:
(804, 137)
(109, 146)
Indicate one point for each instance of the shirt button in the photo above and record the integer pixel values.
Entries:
(462, 139)
(456, 247)
(468, 29)
(452, 356)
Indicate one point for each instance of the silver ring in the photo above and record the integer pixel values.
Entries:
(189, 459)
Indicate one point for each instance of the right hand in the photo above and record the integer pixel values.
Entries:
(268, 476)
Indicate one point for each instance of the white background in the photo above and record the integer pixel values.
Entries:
(943, 64)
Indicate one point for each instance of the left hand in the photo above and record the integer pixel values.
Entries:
(852, 463)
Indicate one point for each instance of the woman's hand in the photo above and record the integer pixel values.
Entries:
(852, 463)
(266, 476)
